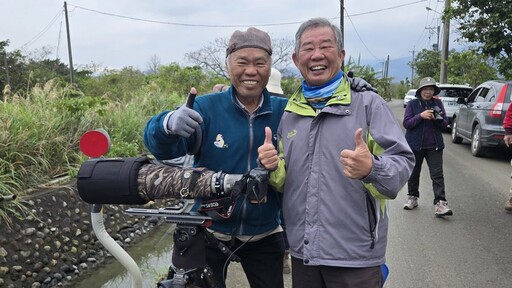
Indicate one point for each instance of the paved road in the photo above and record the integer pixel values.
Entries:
(471, 248)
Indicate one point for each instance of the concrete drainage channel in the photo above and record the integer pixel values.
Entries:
(56, 246)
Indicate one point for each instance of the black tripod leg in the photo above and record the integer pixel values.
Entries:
(222, 247)
(178, 281)
(209, 278)
(200, 278)
(189, 268)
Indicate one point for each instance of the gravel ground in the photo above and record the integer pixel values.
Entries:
(236, 277)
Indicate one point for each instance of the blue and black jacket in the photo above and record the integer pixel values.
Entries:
(230, 141)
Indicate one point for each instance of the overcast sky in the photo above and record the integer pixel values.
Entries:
(113, 34)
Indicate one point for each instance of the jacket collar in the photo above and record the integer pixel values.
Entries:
(265, 107)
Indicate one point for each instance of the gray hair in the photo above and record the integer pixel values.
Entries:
(316, 23)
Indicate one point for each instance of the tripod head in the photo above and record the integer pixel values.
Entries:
(180, 213)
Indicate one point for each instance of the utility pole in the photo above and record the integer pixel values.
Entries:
(412, 69)
(342, 27)
(6, 69)
(435, 46)
(71, 70)
(438, 35)
(446, 37)
(387, 71)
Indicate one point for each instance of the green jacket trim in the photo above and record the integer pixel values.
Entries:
(376, 150)
(277, 177)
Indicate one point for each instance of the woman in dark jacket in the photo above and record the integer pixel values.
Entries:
(424, 119)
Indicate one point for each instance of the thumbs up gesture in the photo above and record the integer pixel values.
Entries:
(357, 163)
(267, 153)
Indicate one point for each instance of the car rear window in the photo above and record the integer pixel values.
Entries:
(454, 92)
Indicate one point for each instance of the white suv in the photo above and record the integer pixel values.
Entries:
(449, 95)
(410, 95)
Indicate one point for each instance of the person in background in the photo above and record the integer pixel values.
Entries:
(219, 88)
(274, 89)
(341, 154)
(274, 83)
(424, 121)
(507, 125)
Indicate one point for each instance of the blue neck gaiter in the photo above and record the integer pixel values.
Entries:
(317, 96)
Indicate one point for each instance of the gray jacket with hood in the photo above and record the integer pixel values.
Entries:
(331, 219)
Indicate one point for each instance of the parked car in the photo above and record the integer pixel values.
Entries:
(480, 116)
(410, 95)
(449, 94)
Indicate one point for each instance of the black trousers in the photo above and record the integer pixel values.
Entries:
(304, 276)
(261, 260)
(435, 166)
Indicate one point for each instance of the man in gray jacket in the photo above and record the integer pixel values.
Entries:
(341, 155)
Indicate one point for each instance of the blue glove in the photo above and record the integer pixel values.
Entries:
(184, 121)
(359, 84)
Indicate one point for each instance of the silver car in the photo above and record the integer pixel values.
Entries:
(480, 116)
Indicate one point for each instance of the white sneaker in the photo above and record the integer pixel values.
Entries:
(412, 202)
(442, 209)
(508, 204)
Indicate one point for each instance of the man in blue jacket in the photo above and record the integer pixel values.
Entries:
(232, 124)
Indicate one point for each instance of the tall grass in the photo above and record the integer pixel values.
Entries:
(39, 134)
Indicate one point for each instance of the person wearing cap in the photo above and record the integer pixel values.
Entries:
(232, 124)
(341, 154)
(424, 120)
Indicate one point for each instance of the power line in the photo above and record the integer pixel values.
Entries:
(360, 39)
(45, 29)
(183, 24)
(229, 25)
(389, 8)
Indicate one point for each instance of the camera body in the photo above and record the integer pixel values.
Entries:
(437, 113)
(257, 184)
